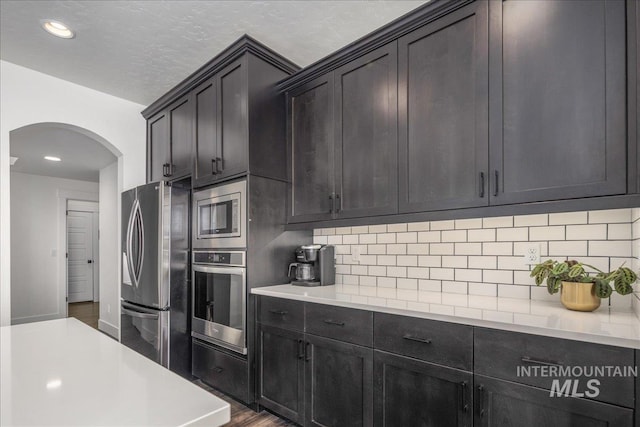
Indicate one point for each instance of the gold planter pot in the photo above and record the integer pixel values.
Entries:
(579, 296)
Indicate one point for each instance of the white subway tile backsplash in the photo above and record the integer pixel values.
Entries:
(443, 225)
(454, 236)
(446, 310)
(441, 249)
(518, 234)
(587, 232)
(571, 248)
(619, 231)
(540, 293)
(386, 238)
(468, 249)
(409, 237)
(418, 226)
(610, 216)
(396, 228)
(467, 224)
(483, 261)
(397, 249)
(486, 289)
(486, 235)
(499, 221)
(454, 261)
(497, 276)
(430, 261)
(407, 294)
(378, 228)
(429, 237)
(498, 248)
(478, 256)
(529, 220)
(468, 275)
(568, 218)
(616, 248)
(430, 285)
(513, 291)
(408, 260)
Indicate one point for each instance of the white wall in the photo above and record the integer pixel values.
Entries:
(109, 218)
(28, 97)
(35, 245)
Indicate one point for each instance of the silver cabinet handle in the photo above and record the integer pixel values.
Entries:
(527, 359)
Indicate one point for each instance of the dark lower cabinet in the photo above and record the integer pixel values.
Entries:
(339, 386)
(409, 392)
(221, 370)
(502, 403)
(281, 372)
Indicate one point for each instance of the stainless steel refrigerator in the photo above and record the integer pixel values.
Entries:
(155, 317)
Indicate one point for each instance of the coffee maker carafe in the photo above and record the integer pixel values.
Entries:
(315, 266)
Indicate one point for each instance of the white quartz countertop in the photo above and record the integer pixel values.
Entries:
(64, 373)
(604, 326)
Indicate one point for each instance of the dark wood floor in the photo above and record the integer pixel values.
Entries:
(87, 312)
(241, 416)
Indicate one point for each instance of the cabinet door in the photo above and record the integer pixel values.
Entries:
(206, 138)
(366, 135)
(281, 373)
(311, 148)
(232, 120)
(339, 383)
(506, 404)
(157, 146)
(558, 123)
(414, 393)
(181, 116)
(443, 112)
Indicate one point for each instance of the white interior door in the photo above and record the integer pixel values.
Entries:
(80, 261)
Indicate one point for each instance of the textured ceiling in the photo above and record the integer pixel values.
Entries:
(138, 50)
(82, 156)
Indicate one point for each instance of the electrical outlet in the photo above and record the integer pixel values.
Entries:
(355, 253)
(108, 308)
(532, 254)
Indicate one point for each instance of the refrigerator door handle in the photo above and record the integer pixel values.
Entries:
(139, 315)
(129, 244)
(140, 228)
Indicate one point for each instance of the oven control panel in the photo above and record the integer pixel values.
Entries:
(231, 258)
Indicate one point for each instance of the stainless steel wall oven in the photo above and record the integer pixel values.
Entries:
(219, 298)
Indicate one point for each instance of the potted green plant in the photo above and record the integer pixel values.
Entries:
(582, 285)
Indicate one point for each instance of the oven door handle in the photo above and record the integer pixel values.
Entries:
(220, 270)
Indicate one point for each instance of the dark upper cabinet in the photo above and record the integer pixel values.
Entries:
(221, 125)
(366, 135)
(443, 112)
(339, 383)
(502, 403)
(409, 392)
(311, 150)
(223, 121)
(157, 146)
(558, 100)
(343, 141)
(170, 140)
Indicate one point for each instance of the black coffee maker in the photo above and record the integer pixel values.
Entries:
(315, 267)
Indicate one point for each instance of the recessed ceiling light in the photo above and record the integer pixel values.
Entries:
(52, 158)
(57, 28)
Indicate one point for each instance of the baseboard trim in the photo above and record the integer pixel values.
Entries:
(109, 329)
(39, 318)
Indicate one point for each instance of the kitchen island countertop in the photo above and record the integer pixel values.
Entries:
(62, 372)
(617, 327)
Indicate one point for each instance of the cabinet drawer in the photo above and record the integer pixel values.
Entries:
(443, 343)
(282, 313)
(343, 324)
(538, 361)
(220, 370)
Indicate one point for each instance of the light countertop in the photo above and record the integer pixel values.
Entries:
(617, 327)
(62, 372)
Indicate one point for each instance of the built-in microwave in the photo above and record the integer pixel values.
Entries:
(220, 216)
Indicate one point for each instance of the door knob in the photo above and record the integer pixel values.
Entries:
(89, 261)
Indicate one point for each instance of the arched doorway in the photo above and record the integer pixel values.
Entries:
(43, 193)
